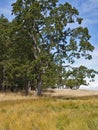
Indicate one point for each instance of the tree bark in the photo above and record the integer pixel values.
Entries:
(3, 80)
(39, 85)
(28, 88)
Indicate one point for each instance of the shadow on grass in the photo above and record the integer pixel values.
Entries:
(76, 97)
(48, 94)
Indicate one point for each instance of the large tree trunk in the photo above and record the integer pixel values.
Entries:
(39, 85)
(28, 88)
(27, 85)
(3, 80)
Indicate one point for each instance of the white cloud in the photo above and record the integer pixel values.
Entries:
(89, 21)
(5, 8)
(91, 86)
(88, 9)
(91, 64)
(5, 11)
(89, 6)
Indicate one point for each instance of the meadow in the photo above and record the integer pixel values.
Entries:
(49, 113)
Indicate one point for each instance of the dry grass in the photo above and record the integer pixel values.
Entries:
(15, 96)
(30, 113)
(66, 93)
(71, 94)
(49, 114)
(74, 93)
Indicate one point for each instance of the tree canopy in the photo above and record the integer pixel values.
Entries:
(38, 45)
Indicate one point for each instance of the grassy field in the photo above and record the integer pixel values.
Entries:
(49, 113)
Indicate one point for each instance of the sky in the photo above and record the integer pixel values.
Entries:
(88, 10)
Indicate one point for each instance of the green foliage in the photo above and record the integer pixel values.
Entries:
(77, 76)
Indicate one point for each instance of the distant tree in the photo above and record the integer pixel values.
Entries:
(77, 77)
(44, 36)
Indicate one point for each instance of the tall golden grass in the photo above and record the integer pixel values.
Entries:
(49, 114)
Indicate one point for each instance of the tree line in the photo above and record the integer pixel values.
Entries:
(39, 47)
